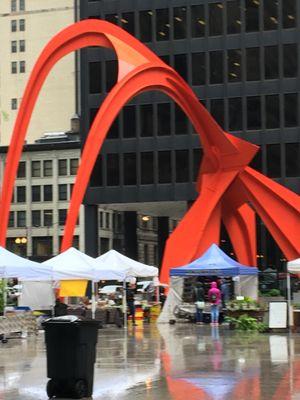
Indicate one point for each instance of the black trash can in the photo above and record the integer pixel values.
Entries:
(71, 353)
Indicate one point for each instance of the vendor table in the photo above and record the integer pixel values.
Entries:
(19, 322)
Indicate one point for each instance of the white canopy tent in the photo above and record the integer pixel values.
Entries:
(293, 267)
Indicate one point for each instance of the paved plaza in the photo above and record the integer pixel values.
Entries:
(169, 362)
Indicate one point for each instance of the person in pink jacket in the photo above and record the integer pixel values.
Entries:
(214, 297)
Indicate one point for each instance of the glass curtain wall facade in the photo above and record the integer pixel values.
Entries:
(241, 57)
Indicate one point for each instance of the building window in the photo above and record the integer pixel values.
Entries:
(217, 110)
(273, 161)
(48, 217)
(146, 254)
(14, 46)
(181, 121)
(233, 16)
(113, 18)
(104, 245)
(216, 68)
(48, 193)
(289, 14)
(256, 162)
(290, 57)
(22, 67)
(13, 5)
(127, 22)
(291, 109)
(22, 5)
(35, 193)
(235, 111)
(95, 77)
(14, 25)
(252, 64)
(234, 62)
(62, 216)
(74, 166)
(111, 74)
(14, 104)
(162, 24)
(113, 132)
(272, 112)
(271, 62)
(292, 159)
(198, 21)
(182, 165)
(11, 221)
(179, 24)
(252, 15)
(198, 69)
(21, 219)
(270, 14)
(22, 46)
(36, 218)
(107, 220)
(164, 167)
(14, 68)
(215, 19)
(146, 24)
(21, 194)
(163, 119)
(129, 169)
(47, 168)
(42, 246)
(180, 65)
(22, 25)
(146, 120)
(147, 168)
(35, 169)
(112, 170)
(62, 168)
(197, 157)
(21, 170)
(253, 112)
(129, 121)
(63, 192)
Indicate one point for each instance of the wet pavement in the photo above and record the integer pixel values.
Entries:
(180, 362)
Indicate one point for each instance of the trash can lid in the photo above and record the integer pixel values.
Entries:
(64, 318)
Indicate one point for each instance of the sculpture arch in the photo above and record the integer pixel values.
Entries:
(226, 184)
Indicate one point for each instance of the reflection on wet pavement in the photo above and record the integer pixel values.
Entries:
(170, 363)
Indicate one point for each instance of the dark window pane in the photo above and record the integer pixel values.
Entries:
(197, 157)
(93, 113)
(235, 109)
(179, 22)
(22, 45)
(13, 5)
(22, 67)
(47, 192)
(291, 109)
(63, 192)
(113, 18)
(234, 62)
(112, 170)
(48, 217)
(289, 13)
(129, 121)
(180, 65)
(217, 110)
(74, 162)
(35, 193)
(62, 216)
(22, 25)
(95, 77)
(198, 69)
(216, 67)
(215, 19)
(127, 22)
(290, 57)
(163, 119)
(233, 16)
(182, 165)
(292, 159)
(162, 24)
(21, 219)
(164, 166)
(21, 170)
(113, 132)
(22, 5)
(273, 161)
(253, 65)
(147, 168)
(270, 14)
(129, 169)
(146, 117)
(14, 25)
(256, 162)
(253, 112)
(62, 168)
(21, 194)
(165, 59)
(272, 112)
(252, 15)
(14, 68)
(146, 22)
(47, 166)
(181, 121)
(11, 221)
(111, 74)
(42, 246)
(14, 46)
(198, 21)
(36, 218)
(271, 62)
(96, 178)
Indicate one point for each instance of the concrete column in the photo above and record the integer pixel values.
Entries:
(162, 236)
(91, 230)
(130, 234)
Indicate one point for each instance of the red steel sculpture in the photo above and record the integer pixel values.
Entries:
(228, 188)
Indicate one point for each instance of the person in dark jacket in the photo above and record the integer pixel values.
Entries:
(60, 309)
(199, 302)
(130, 292)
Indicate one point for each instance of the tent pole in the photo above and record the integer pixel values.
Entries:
(93, 300)
(124, 304)
(289, 298)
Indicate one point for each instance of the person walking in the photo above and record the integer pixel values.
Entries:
(130, 292)
(199, 302)
(214, 296)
